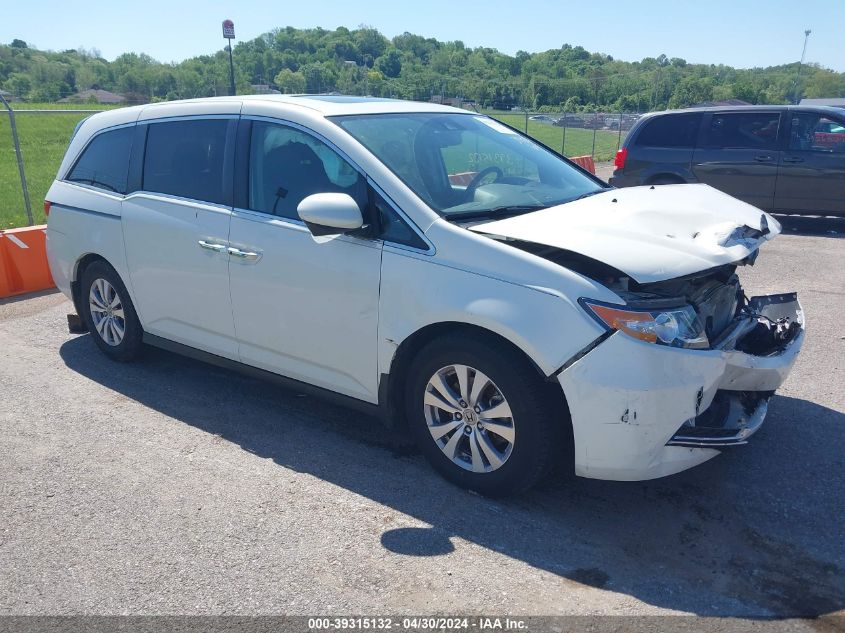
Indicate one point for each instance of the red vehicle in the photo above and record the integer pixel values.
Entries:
(829, 135)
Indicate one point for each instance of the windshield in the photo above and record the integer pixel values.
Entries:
(469, 166)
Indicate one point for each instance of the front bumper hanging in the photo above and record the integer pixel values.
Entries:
(641, 410)
(730, 420)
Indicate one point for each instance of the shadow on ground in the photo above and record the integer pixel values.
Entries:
(758, 528)
(809, 225)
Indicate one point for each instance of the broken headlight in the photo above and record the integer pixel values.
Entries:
(676, 327)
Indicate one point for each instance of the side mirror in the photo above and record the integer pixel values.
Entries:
(330, 213)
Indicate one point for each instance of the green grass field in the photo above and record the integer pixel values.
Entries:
(44, 138)
(579, 142)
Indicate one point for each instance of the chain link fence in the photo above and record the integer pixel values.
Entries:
(596, 134)
(33, 139)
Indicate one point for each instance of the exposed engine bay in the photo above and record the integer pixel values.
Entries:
(761, 326)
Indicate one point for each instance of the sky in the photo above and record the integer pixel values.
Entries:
(741, 33)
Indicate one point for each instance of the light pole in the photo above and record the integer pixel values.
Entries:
(795, 86)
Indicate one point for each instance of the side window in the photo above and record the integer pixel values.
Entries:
(741, 130)
(185, 158)
(671, 130)
(105, 161)
(287, 165)
(392, 228)
(817, 133)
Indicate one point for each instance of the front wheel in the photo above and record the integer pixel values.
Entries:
(482, 416)
(109, 313)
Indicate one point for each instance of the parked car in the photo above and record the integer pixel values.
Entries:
(545, 119)
(829, 135)
(593, 122)
(789, 159)
(613, 122)
(502, 105)
(505, 309)
(570, 120)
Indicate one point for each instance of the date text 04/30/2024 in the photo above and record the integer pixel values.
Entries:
(480, 623)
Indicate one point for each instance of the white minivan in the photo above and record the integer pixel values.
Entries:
(506, 309)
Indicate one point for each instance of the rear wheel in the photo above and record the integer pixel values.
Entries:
(482, 416)
(109, 313)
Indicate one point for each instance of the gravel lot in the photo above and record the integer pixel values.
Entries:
(169, 486)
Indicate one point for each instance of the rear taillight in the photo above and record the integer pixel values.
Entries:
(47, 205)
(621, 156)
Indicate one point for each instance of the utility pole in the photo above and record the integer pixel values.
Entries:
(229, 34)
(795, 87)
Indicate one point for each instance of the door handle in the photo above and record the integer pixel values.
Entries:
(763, 158)
(793, 159)
(249, 255)
(217, 248)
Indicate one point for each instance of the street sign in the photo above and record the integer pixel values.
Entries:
(229, 34)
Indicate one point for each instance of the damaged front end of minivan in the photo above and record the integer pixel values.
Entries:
(705, 386)
(763, 328)
(721, 317)
(747, 331)
(689, 362)
(723, 356)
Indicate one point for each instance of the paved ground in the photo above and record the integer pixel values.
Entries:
(604, 170)
(169, 486)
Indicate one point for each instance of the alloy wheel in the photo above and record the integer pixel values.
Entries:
(469, 418)
(107, 312)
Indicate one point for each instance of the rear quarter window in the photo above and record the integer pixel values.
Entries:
(104, 163)
(670, 130)
(185, 158)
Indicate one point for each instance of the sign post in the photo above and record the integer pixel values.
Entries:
(229, 34)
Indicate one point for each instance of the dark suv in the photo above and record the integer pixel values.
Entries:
(789, 159)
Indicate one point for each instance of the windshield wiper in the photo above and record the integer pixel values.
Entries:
(497, 213)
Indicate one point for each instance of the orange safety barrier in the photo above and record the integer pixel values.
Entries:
(586, 162)
(463, 178)
(23, 261)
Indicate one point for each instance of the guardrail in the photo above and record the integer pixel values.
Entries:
(586, 162)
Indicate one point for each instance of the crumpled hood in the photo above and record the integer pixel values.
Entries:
(649, 233)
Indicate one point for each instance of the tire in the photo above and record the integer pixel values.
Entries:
(108, 311)
(535, 425)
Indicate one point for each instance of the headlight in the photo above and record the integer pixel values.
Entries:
(676, 327)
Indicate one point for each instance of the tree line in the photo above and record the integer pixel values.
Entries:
(408, 66)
